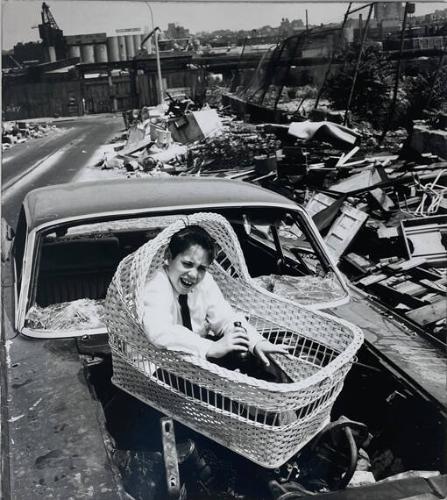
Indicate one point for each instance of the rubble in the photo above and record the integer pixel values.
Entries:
(380, 207)
(20, 132)
(425, 139)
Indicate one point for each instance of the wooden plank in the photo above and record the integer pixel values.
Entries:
(424, 237)
(437, 286)
(360, 263)
(411, 288)
(317, 203)
(391, 297)
(344, 229)
(374, 278)
(408, 264)
(426, 315)
(382, 199)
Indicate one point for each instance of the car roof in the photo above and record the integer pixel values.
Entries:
(85, 199)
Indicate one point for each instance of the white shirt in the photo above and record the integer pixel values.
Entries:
(162, 320)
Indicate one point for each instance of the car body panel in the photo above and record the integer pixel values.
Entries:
(53, 441)
(79, 200)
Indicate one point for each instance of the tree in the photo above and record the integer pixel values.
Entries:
(373, 86)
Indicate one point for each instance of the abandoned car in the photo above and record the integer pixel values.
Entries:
(69, 432)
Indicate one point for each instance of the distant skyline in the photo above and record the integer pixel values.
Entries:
(80, 17)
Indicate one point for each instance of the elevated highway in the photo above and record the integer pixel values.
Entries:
(223, 62)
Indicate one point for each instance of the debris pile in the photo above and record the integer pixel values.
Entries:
(380, 207)
(19, 132)
(385, 224)
(239, 147)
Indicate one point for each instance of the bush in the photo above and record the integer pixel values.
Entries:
(417, 89)
(373, 87)
(373, 91)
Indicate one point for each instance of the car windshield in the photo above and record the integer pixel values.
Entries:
(76, 262)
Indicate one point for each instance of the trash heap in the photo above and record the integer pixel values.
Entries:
(383, 216)
(381, 208)
(19, 132)
(386, 225)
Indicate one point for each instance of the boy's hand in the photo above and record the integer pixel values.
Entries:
(264, 347)
(236, 340)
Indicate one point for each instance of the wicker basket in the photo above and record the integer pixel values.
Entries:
(263, 421)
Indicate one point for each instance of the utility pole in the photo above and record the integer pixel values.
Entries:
(357, 64)
(157, 55)
(155, 34)
(408, 7)
(331, 62)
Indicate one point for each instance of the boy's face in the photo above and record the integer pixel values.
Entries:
(188, 268)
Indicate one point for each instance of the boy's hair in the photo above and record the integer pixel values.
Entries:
(189, 236)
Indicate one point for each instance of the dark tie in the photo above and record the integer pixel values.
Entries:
(184, 310)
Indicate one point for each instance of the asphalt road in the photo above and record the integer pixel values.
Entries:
(58, 392)
(54, 159)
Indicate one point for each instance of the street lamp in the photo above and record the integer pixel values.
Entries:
(148, 5)
(155, 33)
(157, 55)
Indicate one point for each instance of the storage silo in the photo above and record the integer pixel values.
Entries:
(122, 48)
(100, 52)
(130, 46)
(137, 42)
(74, 51)
(87, 54)
(113, 48)
(52, 54)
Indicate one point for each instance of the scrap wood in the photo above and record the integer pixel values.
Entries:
(135, 135)
(437, 286)
(427, 238)
(369, 280)
(362, 180)
(318, 202)
(385, 202)
(132, 148)
(345, 157)
(390, 295)
(166, 155)
(406, 265)
(432, 197)
(344, 229)
(324, 218)
(428, 314)
(397, 179)
(384, 232)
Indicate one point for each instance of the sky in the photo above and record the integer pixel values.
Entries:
(79, 17)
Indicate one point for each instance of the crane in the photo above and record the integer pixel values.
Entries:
(51, 35)
(47, 17)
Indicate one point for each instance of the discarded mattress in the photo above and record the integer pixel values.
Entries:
(334, 134)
